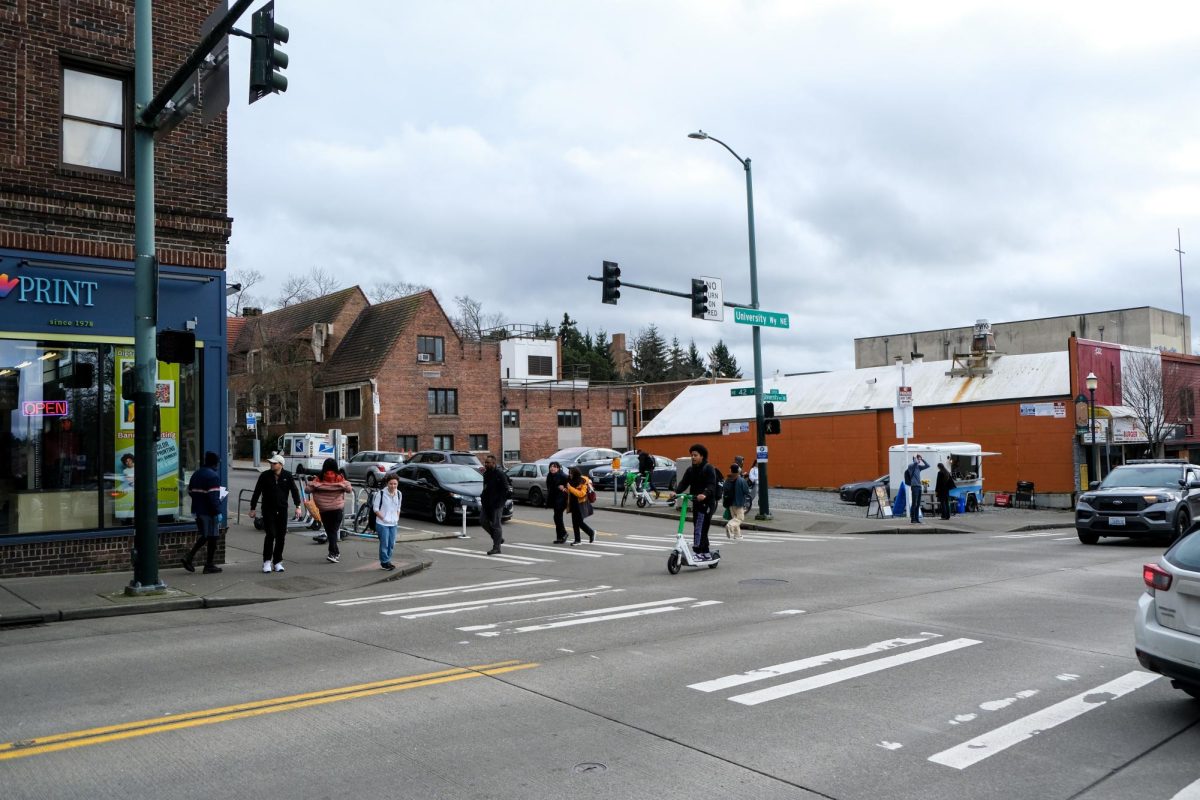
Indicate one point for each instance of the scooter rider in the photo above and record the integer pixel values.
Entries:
(645, 468)
(702, 482)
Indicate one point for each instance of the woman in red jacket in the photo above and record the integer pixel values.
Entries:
(329, 490)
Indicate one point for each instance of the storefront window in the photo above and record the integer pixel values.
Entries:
(65, 432)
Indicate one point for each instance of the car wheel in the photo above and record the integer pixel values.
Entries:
(862, 497)
(535, 497)
(1183, 523)
(1087, 537)
(972, 504)
(441, 512)
(673, 563)
(371, 480)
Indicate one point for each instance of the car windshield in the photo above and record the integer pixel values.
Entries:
(396, 457)
(459, 474)
(1164, 476)
(465, 459)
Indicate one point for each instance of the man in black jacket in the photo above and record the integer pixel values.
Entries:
(491, 503)
(645, 468)
(274, 485)
(702, 482)
(556, 498)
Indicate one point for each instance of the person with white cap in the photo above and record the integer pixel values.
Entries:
(273, 487)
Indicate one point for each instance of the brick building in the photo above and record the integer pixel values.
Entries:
(66, 291)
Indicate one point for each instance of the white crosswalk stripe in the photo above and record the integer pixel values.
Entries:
(489, 586)
(588, 617)
(503, 557)
(649, 548)
(989, 744)
(488, 602)
(1030, 534)
(560, 550)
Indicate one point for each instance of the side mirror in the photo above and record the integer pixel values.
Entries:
(1093, 485)
(1193, 484)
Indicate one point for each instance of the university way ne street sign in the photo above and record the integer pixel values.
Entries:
(765, 319)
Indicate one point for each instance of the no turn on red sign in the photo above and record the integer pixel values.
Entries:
(904, 396)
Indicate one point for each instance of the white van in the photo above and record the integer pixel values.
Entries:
(306, 452)
(963, 459)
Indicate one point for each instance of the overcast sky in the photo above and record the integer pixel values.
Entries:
(916, 165)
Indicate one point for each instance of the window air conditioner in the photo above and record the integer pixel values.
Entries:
(424, 357)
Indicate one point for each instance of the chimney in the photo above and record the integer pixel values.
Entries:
(983, 341)
(250, 311)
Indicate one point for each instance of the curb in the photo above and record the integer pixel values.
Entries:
(160, 606)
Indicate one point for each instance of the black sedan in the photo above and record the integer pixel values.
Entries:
(441, 491)
(663, 476)
(860, 493)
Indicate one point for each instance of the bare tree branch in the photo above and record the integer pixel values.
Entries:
(472, 321)
(248, 279)
(296, 289)
(1143, 392)
(390, 290)
(323, 282)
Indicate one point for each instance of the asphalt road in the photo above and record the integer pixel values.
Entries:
(804, 666)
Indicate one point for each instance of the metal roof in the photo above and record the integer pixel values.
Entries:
(702, 409)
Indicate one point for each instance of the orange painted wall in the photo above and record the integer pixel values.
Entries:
(827, 451)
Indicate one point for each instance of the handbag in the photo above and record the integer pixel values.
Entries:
(310, 506)
(727, 515)
(585, 510)
(591, 495)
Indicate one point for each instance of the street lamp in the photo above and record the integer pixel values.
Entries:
(1092, 381)
(764, 505)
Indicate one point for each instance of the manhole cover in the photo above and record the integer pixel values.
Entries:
(590, 766)
(762, 582)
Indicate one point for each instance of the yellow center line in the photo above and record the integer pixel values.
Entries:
(129, 730)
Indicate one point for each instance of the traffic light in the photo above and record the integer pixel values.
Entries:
(265, 59)
(699, 298)
(176, 347)
(770, 426)
(612, 283)
(768, 410)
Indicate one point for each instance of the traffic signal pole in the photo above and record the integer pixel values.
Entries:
(147, 107)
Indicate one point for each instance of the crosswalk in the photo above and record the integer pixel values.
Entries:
(886, 654)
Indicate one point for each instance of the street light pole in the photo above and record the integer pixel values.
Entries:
(764, 505)
(1092, 381)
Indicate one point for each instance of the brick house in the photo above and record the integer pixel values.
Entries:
(66, 252)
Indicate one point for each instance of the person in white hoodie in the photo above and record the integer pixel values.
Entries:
(387, 516)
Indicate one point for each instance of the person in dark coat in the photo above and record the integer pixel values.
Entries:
(556, 498)
(491, 502)
(645, 468)
(945, 482)
(205, 491)
(273, 486)
(703, 483)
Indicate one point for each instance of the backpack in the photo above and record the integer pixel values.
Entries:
(729, 492)
(372, 497)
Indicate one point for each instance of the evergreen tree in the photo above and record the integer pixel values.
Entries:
(650, 356)
(677, 368)
(695, 362)
(723, 362)
(606, 368)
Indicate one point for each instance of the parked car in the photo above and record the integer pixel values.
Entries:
(586, 458)
(529, 482)
(441, 490)
(446, 457)
(370, 466)
(1166, 630)
(860, 492)
(663, 476)
(1142, 498)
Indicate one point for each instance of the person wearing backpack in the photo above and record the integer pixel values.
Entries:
(386, 507)
(703, 482)
(735, 495)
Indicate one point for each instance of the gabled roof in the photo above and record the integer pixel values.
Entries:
(291, 321)
(367, 344)
(233, 329)
(702, 409)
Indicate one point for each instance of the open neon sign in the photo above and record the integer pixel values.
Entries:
(44, 408)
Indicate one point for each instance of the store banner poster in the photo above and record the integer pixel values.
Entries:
(167, 447)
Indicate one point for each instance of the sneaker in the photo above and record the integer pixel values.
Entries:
(389, 566)
(279, 567)
(320, 539)
(266, 566)
(332, 559)
(187, 564)
(495, 551)
(210, 569)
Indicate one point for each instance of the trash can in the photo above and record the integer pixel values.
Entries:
(961, 504)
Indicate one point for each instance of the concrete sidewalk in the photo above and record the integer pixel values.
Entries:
(26, 601)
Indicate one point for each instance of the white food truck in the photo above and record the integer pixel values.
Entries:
(963, 459)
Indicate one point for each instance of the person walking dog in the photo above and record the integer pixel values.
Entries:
(273, 487)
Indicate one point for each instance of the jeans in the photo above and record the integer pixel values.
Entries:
(492, 520)
(702, 520)
(387, 540)
(332, 520)
(915, 512)
(275, 525)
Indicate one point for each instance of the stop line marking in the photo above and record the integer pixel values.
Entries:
(996, 741)
(508, 583)
(590, 616)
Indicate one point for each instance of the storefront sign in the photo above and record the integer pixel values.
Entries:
(44, 408)
(49, 291)
(734, 427)
(1056, 410)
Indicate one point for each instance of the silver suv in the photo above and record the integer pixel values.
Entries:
(1141, 498)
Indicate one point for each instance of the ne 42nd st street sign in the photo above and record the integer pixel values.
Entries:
(764, 319)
